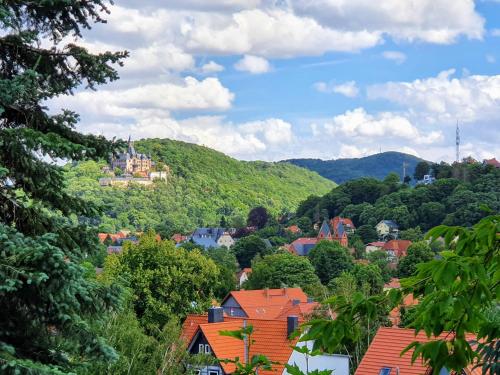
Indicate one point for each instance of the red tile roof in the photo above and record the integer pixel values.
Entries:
(376, 243)
(494, 162)
(346, 221)
(269, 338)
(385, 350)
(266, 303)
(395, 314)
(294, 229)
(178, 238)
(114, 236)
(398, 246)
(393, 284)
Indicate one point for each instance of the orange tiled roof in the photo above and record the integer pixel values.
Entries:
(393, 284)
(114, 236)
(346, 221)
(302, 310)
(266, 303)
(376, 243)
(395, 315)
(293, 229)
(494, 162)
(269, 336)
(385, 350)
(398, 246)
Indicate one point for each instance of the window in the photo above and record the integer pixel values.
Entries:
(201, 348)
(385, 371)
(213, 372)
(207, 349)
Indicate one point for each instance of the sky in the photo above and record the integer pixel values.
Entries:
(277, 79)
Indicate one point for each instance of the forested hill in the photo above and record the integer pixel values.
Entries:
(204, 186)
(378, 166)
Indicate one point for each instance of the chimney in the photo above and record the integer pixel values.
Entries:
(296, 302)
(215, 315)
(292, 323)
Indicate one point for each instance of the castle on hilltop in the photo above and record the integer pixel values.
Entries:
(133, 167)
(132, 162)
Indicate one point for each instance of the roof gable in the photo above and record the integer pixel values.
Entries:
(266, 303)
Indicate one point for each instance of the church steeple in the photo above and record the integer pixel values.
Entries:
(131, 149)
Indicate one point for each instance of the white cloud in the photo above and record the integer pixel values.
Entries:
(266, 139)
(495, 32)
(156, 58)
(433, 21)
(211, 67)
(362, 125)
(444, 98)
(348, 89)
(186, 94)
(396, 56)
(253, 65)
(490, 59)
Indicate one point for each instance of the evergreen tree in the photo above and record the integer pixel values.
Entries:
(46, 300)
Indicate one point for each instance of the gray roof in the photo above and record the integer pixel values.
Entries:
(207, 237)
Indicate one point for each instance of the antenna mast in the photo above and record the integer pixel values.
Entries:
(457, 143)
(405, 164)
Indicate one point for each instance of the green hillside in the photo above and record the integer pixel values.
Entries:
(377, 166)
(204, 185)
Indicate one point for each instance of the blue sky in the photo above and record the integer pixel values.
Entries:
(272, 80)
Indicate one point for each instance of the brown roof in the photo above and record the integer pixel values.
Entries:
(398, 246)
(266, 303)
(385, 351)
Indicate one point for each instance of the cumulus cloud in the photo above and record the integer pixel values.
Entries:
(490, 58)
(433, 21)
(186, 94)
(211, 67)
(253, 65)
(348, 89)
(280, 34)
(358, 123)
(265, 139)
(495, 32)
(444, 98)
(396, 56)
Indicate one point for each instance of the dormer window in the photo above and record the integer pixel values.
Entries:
(385, 371)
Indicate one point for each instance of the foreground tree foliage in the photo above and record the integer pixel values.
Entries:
(457, 293)
(330, 259)
(167, 282)
(284, 270)
(46, 301)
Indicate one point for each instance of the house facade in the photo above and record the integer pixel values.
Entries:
(387, 229)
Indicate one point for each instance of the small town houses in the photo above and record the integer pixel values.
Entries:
(274, 315)
(337, 230)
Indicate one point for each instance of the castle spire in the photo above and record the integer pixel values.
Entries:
(131, 149)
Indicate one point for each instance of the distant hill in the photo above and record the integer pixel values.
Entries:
(378, 166)
(204, 185)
